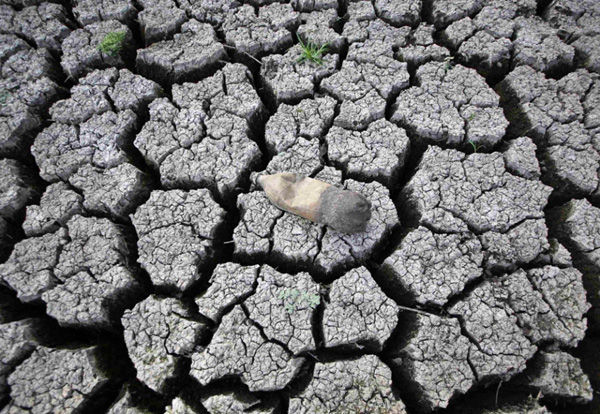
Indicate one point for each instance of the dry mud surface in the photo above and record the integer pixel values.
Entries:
(143, 272)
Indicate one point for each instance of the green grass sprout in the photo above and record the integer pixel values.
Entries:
(475, 146)
(448, 63)
(311, 52)
(293, 298)
(112, 43)
(4, 95)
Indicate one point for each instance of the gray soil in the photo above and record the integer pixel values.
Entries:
(144, 271)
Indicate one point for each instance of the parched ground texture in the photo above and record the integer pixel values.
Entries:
(143, 271)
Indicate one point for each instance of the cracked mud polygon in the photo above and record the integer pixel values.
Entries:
(144, 271)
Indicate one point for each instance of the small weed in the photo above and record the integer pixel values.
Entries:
(311, 52)
(4, 94)
(112, 43)
(292, 298)
(475, 146)
(472, 116)
(448, 63)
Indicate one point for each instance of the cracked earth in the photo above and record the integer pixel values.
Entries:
(143, 270)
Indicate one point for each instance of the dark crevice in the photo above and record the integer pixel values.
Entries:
(12, 235)
(521, 382)
(406, 389)
(68, 6)
(588, 352)
(470, 286)
(111, 360)
(143, 397)
(14, 224)
(317, 318)
(301, 380)
(205, 271)
(427, 12)
(193, 394)
(12, 309)
(282, 263)
(132, 260)
(264, 336)
(101, 399)
(391, 286)
(323, 146)
(342, 11)
(483, 397)
(326, 355)
(588, 268)
(257, 127)
(223, 244)
(136, 28)
(403, 332)
(169, 79)
(542, 5)
(156, 74)
(178, 380)
(407, 214)
(137, 159)
(214, 325)
(394, 357)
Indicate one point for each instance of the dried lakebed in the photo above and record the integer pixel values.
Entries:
(143, 271)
